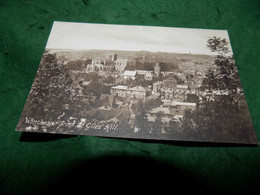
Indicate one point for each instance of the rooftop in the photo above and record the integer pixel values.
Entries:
(137, 88)
(123, 87)
(184, 103)
(143, 72)
(182, 86)
(121, 60)
(129, 73)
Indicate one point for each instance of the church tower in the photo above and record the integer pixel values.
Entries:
(157, 69)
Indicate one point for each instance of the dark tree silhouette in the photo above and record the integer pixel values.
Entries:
(226, 118)
(218, 45)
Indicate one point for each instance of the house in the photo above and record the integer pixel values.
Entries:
(179, 94)
(125, 91)
(129, 74)
(119, 90)
(182, 106)
(137, 92)
(167, 93)
(177, 109)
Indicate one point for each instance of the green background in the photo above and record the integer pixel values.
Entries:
(40, 164)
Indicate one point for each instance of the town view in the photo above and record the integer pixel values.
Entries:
(138, 94)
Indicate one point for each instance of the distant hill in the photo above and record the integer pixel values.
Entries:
(175, 58)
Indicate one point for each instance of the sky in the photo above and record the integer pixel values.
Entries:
(85, 36)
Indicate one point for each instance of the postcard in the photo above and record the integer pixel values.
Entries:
(139, 82)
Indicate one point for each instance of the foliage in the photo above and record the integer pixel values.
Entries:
(192, 98)
(50, 91)
(226, 79)
(168, 66)
(218, 45)
(226, 118)
(152, 103)
(92, 76)
(147, 65)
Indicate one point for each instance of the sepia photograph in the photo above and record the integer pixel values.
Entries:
(140, 82)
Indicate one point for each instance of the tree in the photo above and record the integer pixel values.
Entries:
(50, 90)
(152, 103)
(92, 76)
(93, 87)
(168, 66)
(109, 80)
(137, 107)
(227, 78)
(192, 98)
(158, 125)
(75, 65)
(218, 45)
(227, 117)
(142, 123)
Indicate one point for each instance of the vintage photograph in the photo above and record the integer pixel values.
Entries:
(138, 82)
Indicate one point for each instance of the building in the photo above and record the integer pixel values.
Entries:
(164, 112)
(170, 93)
(157, 87)
(167, 93)
(143, 72)
(98, 61)
(180, 95)
(148, 76)
(111, 56)
(174, 110)
(182, 106)
(137, 92)
(157, 69)
(120, 65)
(129, 74)
(125, 91)
(95, 67)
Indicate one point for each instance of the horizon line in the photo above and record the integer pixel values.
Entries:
(133, 51)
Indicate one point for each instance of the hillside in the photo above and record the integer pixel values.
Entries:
(174, 58)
